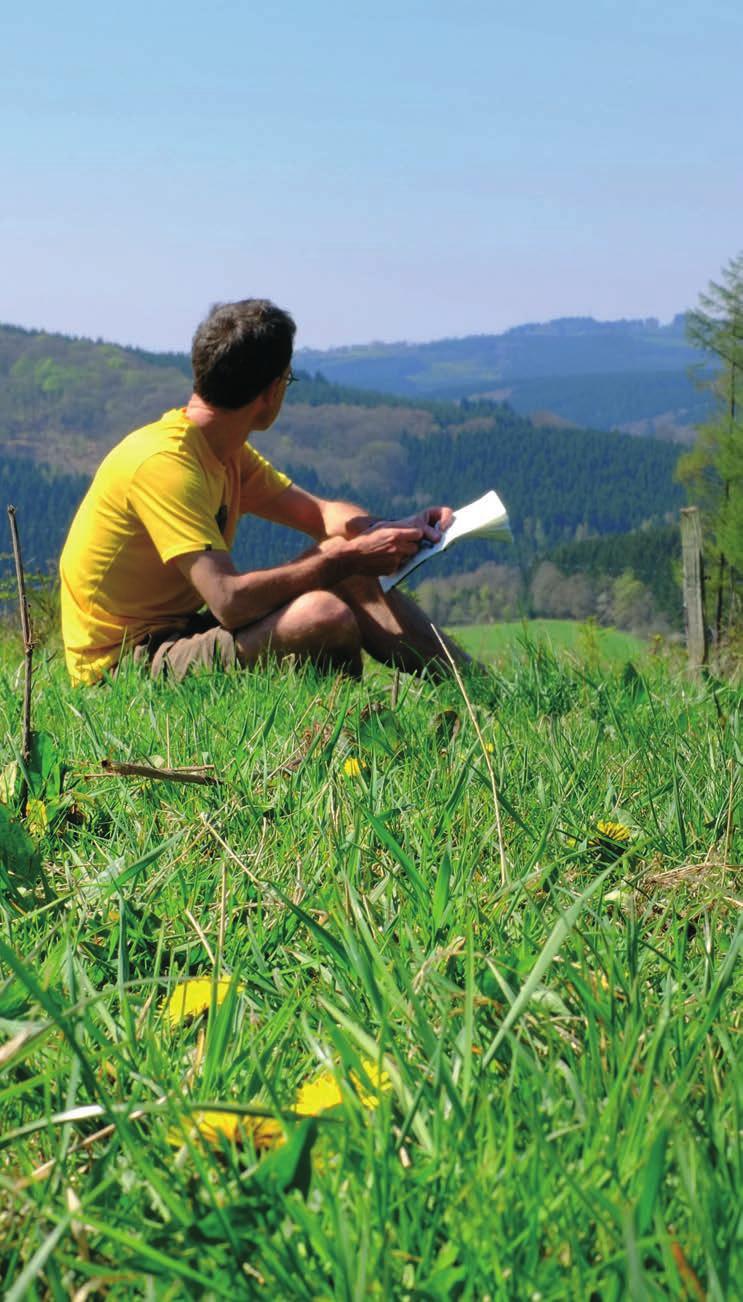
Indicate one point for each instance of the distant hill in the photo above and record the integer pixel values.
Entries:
(64, 402)
(630, 375)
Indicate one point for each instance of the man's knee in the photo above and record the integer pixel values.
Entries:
(327, 618)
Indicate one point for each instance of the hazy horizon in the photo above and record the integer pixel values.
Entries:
(359, 343)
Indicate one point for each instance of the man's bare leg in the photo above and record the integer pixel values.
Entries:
(318, 626)
(395, 630)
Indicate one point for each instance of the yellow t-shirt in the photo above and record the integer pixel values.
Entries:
(160, 493)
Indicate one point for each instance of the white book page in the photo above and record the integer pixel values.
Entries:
(485, 518)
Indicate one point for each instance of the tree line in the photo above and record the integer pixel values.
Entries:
(713, 469)
(630, 581)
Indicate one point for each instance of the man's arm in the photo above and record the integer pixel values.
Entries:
(237, 599)
(321, 518)
(316, 516)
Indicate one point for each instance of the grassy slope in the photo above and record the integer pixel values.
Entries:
(561, 1047)
(489, 641)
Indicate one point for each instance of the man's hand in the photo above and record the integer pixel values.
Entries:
(323, 519)
(432, 522)
(382, 549)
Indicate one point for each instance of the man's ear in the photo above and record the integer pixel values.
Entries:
(271, 390)
(265, 400)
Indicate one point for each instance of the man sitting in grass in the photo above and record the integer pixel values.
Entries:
(150, 544)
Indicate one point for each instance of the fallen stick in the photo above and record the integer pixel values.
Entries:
(195, 774)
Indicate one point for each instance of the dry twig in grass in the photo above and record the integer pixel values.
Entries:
(197, 773)
(695, 875)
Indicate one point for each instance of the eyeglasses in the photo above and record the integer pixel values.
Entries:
(291, 378)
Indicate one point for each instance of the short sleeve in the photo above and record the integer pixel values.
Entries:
(172, 498)
(259, 481)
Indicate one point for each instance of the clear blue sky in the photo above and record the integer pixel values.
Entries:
(385, 170)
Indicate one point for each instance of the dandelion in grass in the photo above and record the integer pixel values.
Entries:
(611, 839)
(37, 817)
(324, 1093)
(353, 766)
(193, 997)
(214, 1126)
(318, 1096)
(605, 837)
(616, 832)
(378, 1080)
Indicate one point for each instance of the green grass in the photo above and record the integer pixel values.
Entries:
(563, 1115)
(589, 640)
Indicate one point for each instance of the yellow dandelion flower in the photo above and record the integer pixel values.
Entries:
(610, 840)
(193, 997)
(490, 748)
(266, 1132)
(37, 818)
(214, 1126)
(379, 1080)
(614, 832)
(324, 1093)
(605, 838)
(318, 1095)
(352, 766)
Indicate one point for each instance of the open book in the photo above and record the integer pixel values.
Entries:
(485, 518)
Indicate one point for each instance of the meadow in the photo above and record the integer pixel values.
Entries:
(409, 995)
(589, 640)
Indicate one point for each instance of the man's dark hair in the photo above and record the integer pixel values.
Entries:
(239, 349)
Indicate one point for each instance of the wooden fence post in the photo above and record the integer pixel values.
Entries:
(691, 550)
(28, 651)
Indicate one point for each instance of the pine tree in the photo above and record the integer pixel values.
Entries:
(713, 469)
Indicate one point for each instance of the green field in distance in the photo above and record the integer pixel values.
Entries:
(492, 640)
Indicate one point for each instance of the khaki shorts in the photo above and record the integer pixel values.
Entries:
(198, 643)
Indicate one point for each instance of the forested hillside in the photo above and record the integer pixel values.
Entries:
(45, 501)
(558, 485)
(629, 375)
(628, 579)
(67, 401)
(569, 345)
(633, 376)
(64, 402)
(659, 404)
